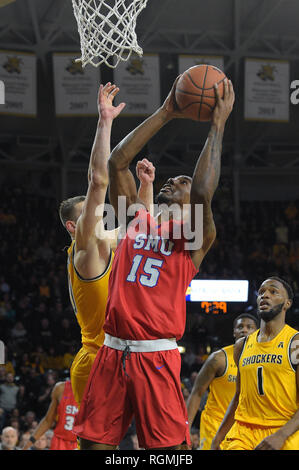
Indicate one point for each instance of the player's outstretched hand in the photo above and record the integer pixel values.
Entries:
(224, 105)
(106, 96)
(145, 171)
(170, 105)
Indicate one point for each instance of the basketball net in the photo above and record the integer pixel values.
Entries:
(107, 30)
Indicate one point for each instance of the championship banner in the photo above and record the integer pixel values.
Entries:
(139, 83)
(187, 61)
(267, 90)
(18, 73)
(76, 88)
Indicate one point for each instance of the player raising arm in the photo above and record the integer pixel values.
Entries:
(146, 308)
(182, 190)
(90, 254)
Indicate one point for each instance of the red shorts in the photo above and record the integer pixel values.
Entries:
(151, 392)
(60, 444)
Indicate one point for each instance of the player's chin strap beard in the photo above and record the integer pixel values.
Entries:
(126, 352)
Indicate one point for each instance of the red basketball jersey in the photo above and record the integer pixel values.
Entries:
(148, 281)
(67, 410)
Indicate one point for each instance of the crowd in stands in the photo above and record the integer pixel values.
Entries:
(38, 326)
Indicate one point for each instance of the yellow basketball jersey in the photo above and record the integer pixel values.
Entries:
(89, 298)
(222, 389)
(268, 394)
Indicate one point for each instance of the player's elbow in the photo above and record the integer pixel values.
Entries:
(118, 160)
(98, 179)
(201, 195)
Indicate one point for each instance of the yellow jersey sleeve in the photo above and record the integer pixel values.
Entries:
(89, 299)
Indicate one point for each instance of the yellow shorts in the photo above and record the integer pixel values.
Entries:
(245, 436)
(208, 428)
(79, 372)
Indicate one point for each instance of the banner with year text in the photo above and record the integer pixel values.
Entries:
(18, 73)
(267, 85)
(139, 83)
(76, 88)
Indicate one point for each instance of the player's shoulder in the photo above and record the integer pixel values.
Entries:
(58, 388)
(291, 331)
(294, 337)
(217, 360)
(239, 347)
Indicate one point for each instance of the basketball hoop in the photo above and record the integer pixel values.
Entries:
(107, 30)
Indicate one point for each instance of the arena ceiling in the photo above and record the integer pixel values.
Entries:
(234, 29)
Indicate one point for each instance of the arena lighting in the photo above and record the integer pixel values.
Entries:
(208, 290)
(3, 3)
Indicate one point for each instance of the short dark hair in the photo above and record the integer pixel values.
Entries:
(285, 284)
(246, 315)
(67, 209)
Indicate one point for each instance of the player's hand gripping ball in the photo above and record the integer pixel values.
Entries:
(195, 93)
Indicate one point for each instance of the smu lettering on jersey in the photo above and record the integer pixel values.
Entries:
(66, 412)
(268, 394)
(148, 281)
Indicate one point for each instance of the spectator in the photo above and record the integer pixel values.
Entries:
(44, 337)
(194, 435)
(4, 286)
(44, 289)
(18, 334)
(49, 434)
(8, 394)
(291, 211)
(44, 399)
(25, 436)
(9, 439)
(66, 337)
(28, 420)
(40, 444)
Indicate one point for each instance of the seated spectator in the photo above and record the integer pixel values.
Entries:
(291, 211)
(25, 436)
(69, 356)
(18, 333)
(4, 286)
(44, 398)
(44, 289)
(45, 338)
(194, 436)
(8, 394)
(40, 444)
(53, 360)
(27, 420)
(9, 439)
(38, 364)
(66, 336)
(23, 399)
(49, 434)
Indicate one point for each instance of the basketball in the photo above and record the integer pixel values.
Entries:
(195, 94)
